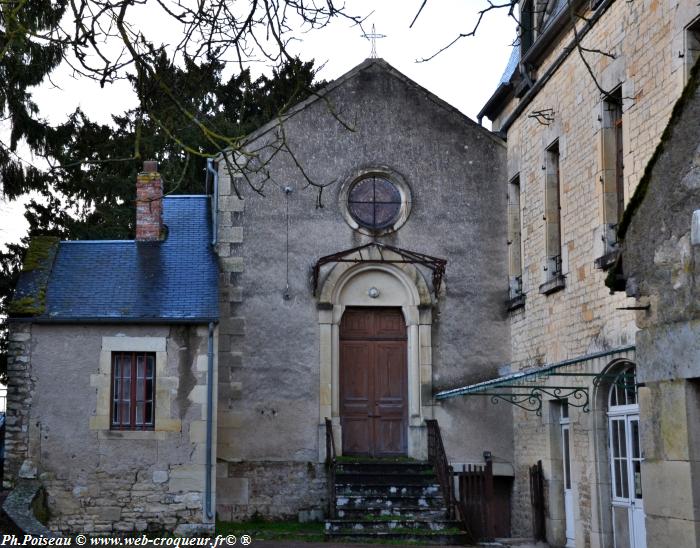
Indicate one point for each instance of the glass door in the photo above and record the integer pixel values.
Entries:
(626, 462)
(566, 461)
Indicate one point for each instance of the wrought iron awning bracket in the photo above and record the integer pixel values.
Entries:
(519, 386)
(436, 265)
(574, 396)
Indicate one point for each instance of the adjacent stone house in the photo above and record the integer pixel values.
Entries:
(580, 128)
(111, 350)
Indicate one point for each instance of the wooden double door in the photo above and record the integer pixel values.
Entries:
(373, 382)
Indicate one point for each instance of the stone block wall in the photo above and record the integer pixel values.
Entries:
(661, 255)
(100, 480)
(20, 392)
(645, 39)
(273, 490)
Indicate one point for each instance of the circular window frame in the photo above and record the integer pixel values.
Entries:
(384, 173)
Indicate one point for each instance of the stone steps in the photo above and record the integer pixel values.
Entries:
(369, 467)
(386, 478)
(405, 537)
(388, 501)
(406, 512)
(385, 490)
(392, 523)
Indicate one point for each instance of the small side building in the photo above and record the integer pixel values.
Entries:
(111, 349)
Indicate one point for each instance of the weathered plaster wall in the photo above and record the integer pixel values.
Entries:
(99, 480)
(269, 350)
(660, 262)
(646, 39)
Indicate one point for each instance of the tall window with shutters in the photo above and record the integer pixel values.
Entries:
(612, 177)
(515, 266)
(553, 279)
(133, 391)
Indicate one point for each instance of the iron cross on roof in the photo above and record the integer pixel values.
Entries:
(372, 37)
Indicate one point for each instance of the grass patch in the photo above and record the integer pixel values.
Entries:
(273, 530)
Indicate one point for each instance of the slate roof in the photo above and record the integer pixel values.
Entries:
(511, 66)
(175, 280)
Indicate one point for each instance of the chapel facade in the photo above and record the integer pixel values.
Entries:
(311, 279)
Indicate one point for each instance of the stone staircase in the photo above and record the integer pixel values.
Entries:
(397, 501)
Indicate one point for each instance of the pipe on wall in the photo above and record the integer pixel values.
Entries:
(210, 416)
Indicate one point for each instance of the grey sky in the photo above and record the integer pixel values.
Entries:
(465, 75)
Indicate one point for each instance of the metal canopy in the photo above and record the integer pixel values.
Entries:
(355, 255)
(527, 389)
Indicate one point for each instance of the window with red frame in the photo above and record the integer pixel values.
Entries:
(133, 390)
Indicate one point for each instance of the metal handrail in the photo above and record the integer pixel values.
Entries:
(444, 472)
(331, 465)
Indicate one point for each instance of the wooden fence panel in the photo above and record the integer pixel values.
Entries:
(537, 501)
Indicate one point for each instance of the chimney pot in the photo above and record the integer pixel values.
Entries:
(150, 166)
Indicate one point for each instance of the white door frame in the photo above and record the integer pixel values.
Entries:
(626, 460)
(570, 523)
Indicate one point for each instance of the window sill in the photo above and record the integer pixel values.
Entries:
(608, 260)
(131, 435)
(515, 303)
(552, 286)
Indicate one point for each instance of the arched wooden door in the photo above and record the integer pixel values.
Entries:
(373, 382)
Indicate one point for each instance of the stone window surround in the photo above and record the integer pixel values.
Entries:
(554, 268)
(516, 297)
(117, 400)
(416, 304)
(102, 381)
(384, 172)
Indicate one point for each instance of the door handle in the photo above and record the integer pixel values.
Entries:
(374, 416)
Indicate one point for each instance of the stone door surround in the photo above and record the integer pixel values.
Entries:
(377, 285)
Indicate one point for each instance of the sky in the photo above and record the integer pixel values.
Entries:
(465, 75)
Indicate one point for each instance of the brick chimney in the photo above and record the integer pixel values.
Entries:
(149, 203)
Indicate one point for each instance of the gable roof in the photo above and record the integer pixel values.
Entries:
(170, 281)
(353, 73)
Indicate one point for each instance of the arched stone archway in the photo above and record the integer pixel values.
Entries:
(369, 284)
(615, 527)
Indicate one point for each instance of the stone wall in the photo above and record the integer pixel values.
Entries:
(272, 490)
(20, 393)
(270, 383)
(100, 480)
(646, 39)
(660, 262)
